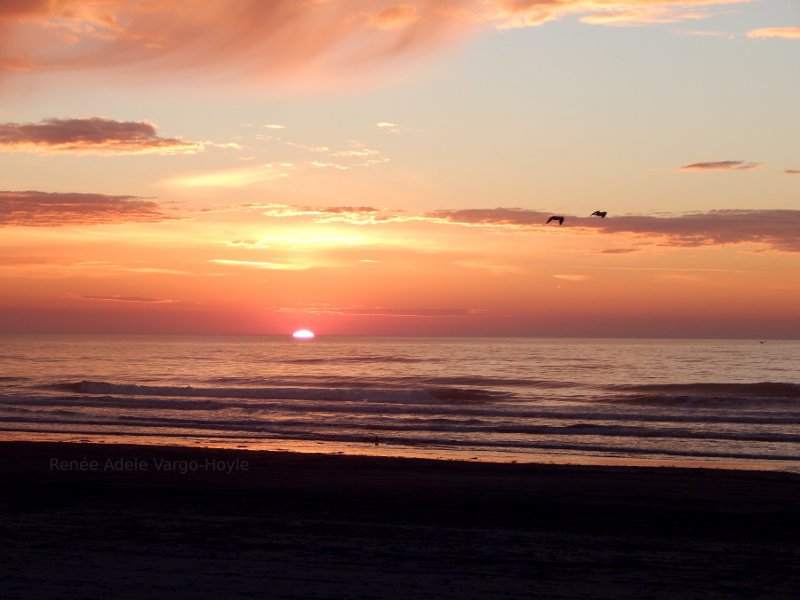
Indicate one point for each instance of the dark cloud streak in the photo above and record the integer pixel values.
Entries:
(721, 165)
(93, 135)
(778, 229)
(44, 209)
(139, 299)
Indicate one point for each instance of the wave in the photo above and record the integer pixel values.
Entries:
(426, 441)
(397, 381)
(410, 396)
(709, 395)
(766, 389)
(358, 359)
(429, 409)
(480, 433)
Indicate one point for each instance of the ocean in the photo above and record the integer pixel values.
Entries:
(724, 403)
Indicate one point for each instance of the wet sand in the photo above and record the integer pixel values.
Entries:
(94, 520)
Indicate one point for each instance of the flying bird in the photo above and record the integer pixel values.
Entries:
(556, 218)
(599, 213)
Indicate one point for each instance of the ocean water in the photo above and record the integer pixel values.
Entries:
(705, 402)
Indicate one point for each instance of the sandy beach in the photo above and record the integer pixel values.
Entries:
(92, 520)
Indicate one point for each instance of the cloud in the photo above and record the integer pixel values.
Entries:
(355, 149)
(390, 127)
(493, 268)
(43, 209)
(410, 312)
(789, 33)
(381, 311)
(283, 37)
(254, 264)
(792, 172)
(618, 251)
(641, 16)
(129, 299)
(356, 215)
(393, 127)
(721, 165)
(18, 65)
(396, 16)
(18, 8)
(91, 136)
(233, 178)
(490, 216)
(249, 244)
(61, 266)
(569, 277)
(773, 228)
(262, 38)
(347, 155)
(530, 13)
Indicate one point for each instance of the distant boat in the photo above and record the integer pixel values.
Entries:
(556, 218)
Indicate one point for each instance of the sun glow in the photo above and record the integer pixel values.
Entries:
(303, 334)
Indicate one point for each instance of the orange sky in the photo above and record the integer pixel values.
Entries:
(379, 168)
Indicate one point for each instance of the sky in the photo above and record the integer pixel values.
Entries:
(378, 167)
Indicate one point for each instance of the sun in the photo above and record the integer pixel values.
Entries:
(303, 334)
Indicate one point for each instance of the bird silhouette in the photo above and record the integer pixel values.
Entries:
(599, 213)
(556, 218)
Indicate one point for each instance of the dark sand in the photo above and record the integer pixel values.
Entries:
(317, 526)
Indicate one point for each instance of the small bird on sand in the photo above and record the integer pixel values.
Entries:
(599, 213)
(556, 218)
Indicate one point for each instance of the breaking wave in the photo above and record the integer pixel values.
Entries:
(411, 396)
(767, 389)
(709, 395)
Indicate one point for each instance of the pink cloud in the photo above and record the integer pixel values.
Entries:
(282, 37)
(117, 298)
(357, 215)
(792, 172)
(380, 311)
(642, 16)
(721, 165)
(490, 216)
(22, 8)
(43, 209)
(90, 136)
(263, 38)
(396, 16)
(789, 33)
(526, 13)
(774, 228)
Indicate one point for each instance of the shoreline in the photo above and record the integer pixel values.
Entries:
(326, 526)
(389, 451)
(128, 448)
